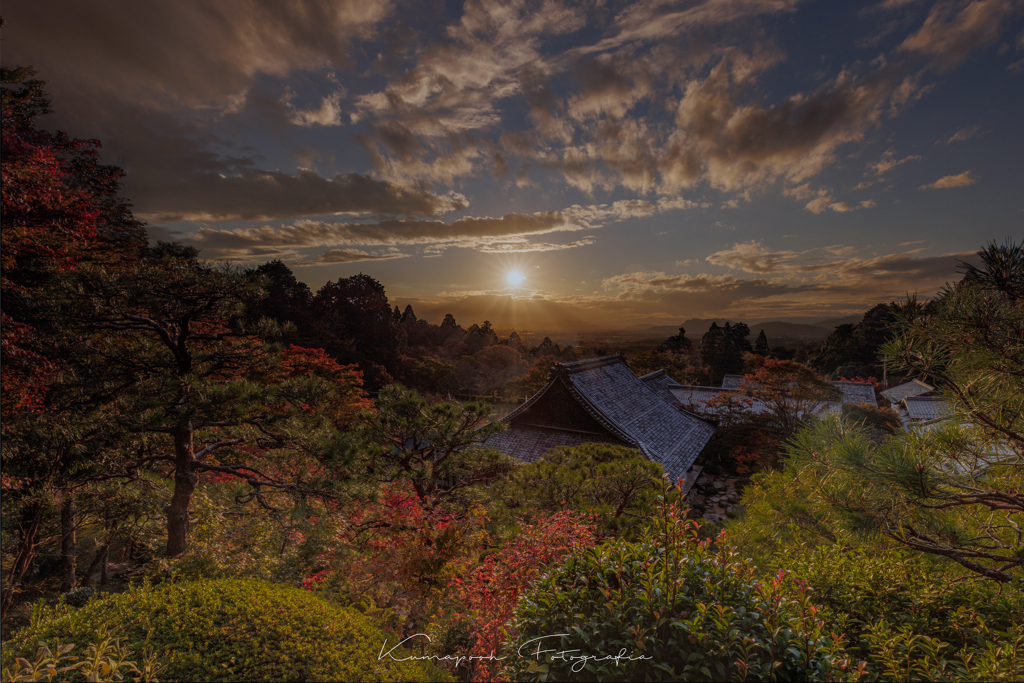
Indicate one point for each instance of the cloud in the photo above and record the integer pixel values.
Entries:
(257, 195)
(522, 245)
(962, 135)
(734, 145)
(328, 114)
(960, 180)
(837, 266)
(335, 256)
(889, 162)
(953, 30)
(187, 53)
(484, 233)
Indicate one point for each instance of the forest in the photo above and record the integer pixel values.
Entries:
(211, 472)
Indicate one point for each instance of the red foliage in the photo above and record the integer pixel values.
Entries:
(489, 594)
(393, 551)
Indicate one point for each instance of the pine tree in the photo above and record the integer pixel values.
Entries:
(761, 345)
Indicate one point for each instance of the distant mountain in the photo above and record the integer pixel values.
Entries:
(833, 323)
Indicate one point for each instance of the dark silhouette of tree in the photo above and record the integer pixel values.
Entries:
(761, 345)
(354, 323)
(283, 298)
(678, 343)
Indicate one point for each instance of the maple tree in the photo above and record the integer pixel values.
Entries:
(488, 595)
(60, 209)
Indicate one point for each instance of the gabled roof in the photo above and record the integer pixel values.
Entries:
(698, 397)
(853, 392)
(732, 381)
(914, 387)
(925, 407)
(624, 406)
(857, 392)
(660, 383)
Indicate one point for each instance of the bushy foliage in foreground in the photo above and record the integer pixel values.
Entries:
(911, 618)
(226, 630)
(614, 484)
(671, 607)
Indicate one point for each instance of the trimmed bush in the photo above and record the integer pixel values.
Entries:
(673, 608)
(228, 629)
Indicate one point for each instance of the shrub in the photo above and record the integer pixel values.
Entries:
(226, 629)
(672, 607)
(911, 617)
(79, 597)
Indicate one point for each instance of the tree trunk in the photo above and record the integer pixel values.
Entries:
(95, 564)
(104, 564)
(68, 545)
(31, 517)
(185, 480)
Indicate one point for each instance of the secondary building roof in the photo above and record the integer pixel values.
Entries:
(661, 384)
(857, 392)
(924, 408)
(700, 398)
(733, 381)
(914, 387)
(602, 400)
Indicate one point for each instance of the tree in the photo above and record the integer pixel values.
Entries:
(788, 392)
(952, 491)
(283, 298)
(60, 209)
(721, 350)
(439, 449)
(761, 345)
(497, 366)
(615, 484)
(534, 380)
(676, 365)
(170, 341)
(353, 322)
(678, 343)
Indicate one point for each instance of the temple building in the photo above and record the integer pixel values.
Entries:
(601, 400)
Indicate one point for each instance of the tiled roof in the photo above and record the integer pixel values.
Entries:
(732, 382)
(925, 407)
(528, 443)
(621, 403)
(857, 392)
(659, 382)
(697, 398)
(914, 387)
(853, 392)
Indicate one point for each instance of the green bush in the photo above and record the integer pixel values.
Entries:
(912, 617)
(690, 608)
(227, 629)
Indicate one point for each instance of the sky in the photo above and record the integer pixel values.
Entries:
(547, 164)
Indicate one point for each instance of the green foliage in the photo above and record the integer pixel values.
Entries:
(105, 660)
(79, 597)
(691, 608)
(437, 448)
(912, 619)
(881, 421)
(939, 491)
(676, 365)
(227, 630)
(617, 484)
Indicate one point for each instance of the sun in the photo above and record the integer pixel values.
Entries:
(514, 278)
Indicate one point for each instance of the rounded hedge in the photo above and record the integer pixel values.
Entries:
(228, 629)
(671, 607)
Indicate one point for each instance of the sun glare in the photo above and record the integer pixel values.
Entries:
(514, 278)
